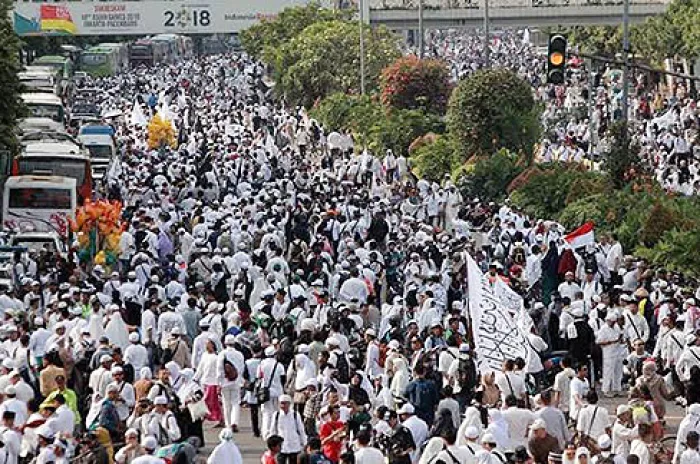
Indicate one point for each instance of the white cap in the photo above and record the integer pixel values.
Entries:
(303, 348)
(611, 316)
(604, 441)
(488, 438)
(464, 348)
(10, 390)
(133, 337)
(285, 399)
(471, 432)
(105, 358)
(45, 431)
(332, 341)
(538, 424)
(112, 387)
(176, 331)
(270, 351)
(622, 409)
(117, 370)
(371, 332)
(8, 363)
(229, 340)
(160, 400)
(406, 409)
(394, 345)
(150, 443)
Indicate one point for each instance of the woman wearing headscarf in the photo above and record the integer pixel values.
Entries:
(117, 331)
(431, 451)
(498, 428)
(208, 378)
(305, 370)
(550, 270)
(144, 384)
(190, 393)
(442, 423)
(656, 386)
(399, 381)
(226, 452)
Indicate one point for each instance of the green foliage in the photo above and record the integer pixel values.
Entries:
(547, 190)
(621, 161)
(324, 59)
(272, 33)
(374, 126)
(494, 109)
(411, 83)
(11, 106)
(672, 252)
(489, 177)
(434, 159)
(600, 40)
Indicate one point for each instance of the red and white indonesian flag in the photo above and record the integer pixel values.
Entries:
(582, 236)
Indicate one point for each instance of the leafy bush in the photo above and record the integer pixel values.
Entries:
(621, 161)
(676, 252)
(489, 177)
(323, 59)
(412, 83)
(434, 159)
(494, 109)
(546, 191)
(373, 126)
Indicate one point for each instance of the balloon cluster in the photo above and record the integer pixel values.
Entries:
(98, 226)
(160, 133)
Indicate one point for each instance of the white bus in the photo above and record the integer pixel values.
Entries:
(39, 204)
(45, 105)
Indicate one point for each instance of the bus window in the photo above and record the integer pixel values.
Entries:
(40, 198)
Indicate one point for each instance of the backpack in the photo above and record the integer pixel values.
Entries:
(230, 371)
(343, 368)
(466, 374)
(420, 396)
(319, 458)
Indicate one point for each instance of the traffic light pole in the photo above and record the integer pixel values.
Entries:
(361, 6)
(421, 32)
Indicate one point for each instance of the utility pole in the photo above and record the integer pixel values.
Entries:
(487, 58)
(625, 57)
(361, 6)
(421, 32)
(591, 128)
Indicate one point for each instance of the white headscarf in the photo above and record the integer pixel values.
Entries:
(432, 449)
(306, 370)
(117, 331)
(498, 427)
(225, 452)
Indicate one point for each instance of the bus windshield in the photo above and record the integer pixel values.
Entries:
(40, 198)
(46, 111)
(52, 166)
(94, 59)
(103, 152)
(141, 51)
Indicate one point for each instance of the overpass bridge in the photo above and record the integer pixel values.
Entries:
(403, 15)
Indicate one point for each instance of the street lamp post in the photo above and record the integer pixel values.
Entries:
(361, 6)
(487, 52)
(625, 53)
(421, 34)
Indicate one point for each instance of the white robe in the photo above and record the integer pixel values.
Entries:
(225, 453)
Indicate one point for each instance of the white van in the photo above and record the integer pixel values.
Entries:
(45, 105)
(39, 204)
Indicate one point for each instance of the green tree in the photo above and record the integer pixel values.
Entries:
(11, 107)
(325, 58)
(489, 177)
(621, 160)
(412, 83)
(494, 109)
(272, 33)
(435, 158)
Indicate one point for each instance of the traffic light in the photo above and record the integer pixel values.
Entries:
(556, 59)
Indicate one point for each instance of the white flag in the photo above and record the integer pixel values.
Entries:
(497, 334)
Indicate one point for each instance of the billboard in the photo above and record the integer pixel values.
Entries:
(142, 18)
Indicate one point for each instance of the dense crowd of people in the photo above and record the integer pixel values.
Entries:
(266, 266)
(577, 116)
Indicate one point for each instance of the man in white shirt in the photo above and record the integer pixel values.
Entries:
(102, 376)
(270, 373)
(372, 367)
(519, 420)
(127, 399)
(10, 437)
(510, 383)
(569, 288)
(636, 325)
(64, 417)
(417, 427)
(609, 338)
(231, 387)
(162, 423)
(578, 390)
(288, 424)
(366, 454)
(691, 455)
(623, 432)
(453, 454)
(593, 420)
(690, 423)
